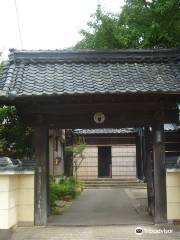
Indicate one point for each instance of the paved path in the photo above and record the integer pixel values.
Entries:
(105, 207)
(95, 233)
(102, 207)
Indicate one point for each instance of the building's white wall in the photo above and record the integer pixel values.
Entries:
(16, 200)
(123, 162)
(173, 195)
(89, 166)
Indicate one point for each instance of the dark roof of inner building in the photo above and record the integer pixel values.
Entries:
(170, 127)
(105, 131)
(47, 73)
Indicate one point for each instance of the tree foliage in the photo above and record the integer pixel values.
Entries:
(15, 137)
(140, 24)
(77, 150)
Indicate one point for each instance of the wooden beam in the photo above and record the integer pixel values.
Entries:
(41, 175)
(87, 108)
(109, 141)
(160, 214)
(78, 120)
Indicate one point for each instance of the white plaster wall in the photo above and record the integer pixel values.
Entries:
(16, 199)
(26, 199)
(173, 195)
(8, 201)
(89, 166)
(123, 162)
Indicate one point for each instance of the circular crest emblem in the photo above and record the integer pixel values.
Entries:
(139, 231)
(99, 117)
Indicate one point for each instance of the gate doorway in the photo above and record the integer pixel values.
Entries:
(88, 89)
(104, 161)
(109, 196)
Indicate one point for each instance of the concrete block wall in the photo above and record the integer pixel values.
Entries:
(16, 199)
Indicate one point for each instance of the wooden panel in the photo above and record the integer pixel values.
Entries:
(172, 145)
(108, 140)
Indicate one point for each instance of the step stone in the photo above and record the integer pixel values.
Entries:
(113, 183)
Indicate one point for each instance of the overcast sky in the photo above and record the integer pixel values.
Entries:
(47, 24)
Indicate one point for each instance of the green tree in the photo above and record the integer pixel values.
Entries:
(102, 31)
(77, 150)
(15, 137)
(140, 24)
(152, 24)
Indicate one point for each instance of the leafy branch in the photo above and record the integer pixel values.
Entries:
(77, 150)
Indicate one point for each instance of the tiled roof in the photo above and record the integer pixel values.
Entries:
(167, 127)
(105, 131)
(171, 127)
(37, 73)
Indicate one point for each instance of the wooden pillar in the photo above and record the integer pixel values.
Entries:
(144, 154)
(160, 203)
(149, 170)
(139, 161)
(41, 175)
(68, 163)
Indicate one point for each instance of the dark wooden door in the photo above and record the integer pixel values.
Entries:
(104, 161)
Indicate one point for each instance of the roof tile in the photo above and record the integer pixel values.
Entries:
(82, 72)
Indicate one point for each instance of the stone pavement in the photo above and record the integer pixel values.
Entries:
(105, 207)
(102, 214)
(96, 233)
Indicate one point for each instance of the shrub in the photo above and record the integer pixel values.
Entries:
(65, 189)
(53, 196)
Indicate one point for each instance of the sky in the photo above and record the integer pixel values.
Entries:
(47, 24)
